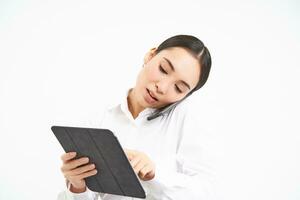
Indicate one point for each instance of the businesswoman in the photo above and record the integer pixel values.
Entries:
(152, 123)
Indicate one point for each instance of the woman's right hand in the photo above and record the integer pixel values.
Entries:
(75, 170)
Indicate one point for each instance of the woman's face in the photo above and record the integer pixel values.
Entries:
(166, 77)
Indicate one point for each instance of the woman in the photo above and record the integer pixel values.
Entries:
(153, 127)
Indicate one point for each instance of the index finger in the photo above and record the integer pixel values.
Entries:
(128, 154)
(68, 156)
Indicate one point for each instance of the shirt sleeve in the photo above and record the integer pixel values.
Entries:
(87, 195)
(194, 177)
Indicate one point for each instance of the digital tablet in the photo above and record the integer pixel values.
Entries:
(115, 174)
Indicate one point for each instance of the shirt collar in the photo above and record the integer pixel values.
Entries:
(114, 104)
(123, 106)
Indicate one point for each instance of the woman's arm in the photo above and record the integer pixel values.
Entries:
(195, 174)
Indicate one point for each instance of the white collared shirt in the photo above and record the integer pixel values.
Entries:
(180, 151)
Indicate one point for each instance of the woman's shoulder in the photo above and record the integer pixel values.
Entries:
(177, 116)
(183, 108)
(187, 114)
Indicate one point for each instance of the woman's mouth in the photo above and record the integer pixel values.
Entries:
(149, 98)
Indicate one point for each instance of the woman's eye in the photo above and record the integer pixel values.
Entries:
(177, 89)
(162, 70)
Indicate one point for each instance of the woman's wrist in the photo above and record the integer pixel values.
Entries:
(77, 190)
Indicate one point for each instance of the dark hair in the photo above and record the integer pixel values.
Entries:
(197, 49)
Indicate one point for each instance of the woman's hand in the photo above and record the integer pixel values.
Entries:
(141, 164)
(75, 170)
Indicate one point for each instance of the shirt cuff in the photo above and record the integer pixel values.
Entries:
(88, 194)
(169, 178)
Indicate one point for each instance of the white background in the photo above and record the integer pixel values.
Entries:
(62, 61)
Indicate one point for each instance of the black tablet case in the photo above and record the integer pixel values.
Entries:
(115, 174)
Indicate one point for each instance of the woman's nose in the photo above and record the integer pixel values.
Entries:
(162, 86)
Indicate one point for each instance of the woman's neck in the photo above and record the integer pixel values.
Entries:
(133, 105)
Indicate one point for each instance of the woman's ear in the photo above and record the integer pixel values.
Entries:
(149, 55)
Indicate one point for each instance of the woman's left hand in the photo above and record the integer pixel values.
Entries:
(141, 164)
